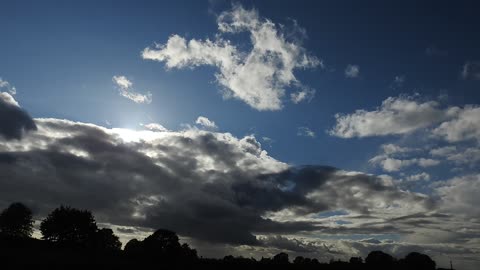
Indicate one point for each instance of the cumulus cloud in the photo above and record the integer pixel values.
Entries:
(6, 86)
(306, 132)
(471, 70)
(14, 121)
(237, 195)
(258, 77)
(125, 88)
(463, 125)
(352, 71)
(396, 115)
(205, 122)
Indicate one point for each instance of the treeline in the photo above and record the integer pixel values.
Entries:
(72, 240)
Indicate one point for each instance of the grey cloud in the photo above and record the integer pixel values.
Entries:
(14, 121)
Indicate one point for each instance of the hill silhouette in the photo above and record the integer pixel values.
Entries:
(72, 240)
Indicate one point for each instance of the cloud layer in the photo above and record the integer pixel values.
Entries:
(258, 77)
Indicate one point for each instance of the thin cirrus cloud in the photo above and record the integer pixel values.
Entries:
(125, 89)
(258, 77)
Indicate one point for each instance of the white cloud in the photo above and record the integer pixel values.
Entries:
(464, 125)
(204, 121)
(392, 164)
(126, 90)
(471, 70)
(306, 132)
(396, 115)
(7, 98)
(417, 177)
(258, 77)
(443, 151)
(352, 71)
(305, 94)
(154, 127)
(6, 86)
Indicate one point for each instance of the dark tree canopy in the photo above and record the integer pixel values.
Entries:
(105, 239)
(281, 258)
(380, 259)
(69, 225)
(415, 260)
(16, 221)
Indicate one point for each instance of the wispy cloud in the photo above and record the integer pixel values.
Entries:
(471, 70)
(125, 88)
(352, 71)
(305, 132)
(258, 77)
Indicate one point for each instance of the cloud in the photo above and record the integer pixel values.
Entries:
(396, 115)
(205, 122)
(471, 70)
(154, 127)
(464, 125)
(125, 88)
(417, 177)
(352, 71)
(239, 198)
(305, 94)
(305, 132)
(6, 86)
(258, 77)
(393, 164)
(14, 121)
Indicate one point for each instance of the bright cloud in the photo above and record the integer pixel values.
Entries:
(125, 88)
(6, 86)
(396, 115)
(205, 122)
(258, 77)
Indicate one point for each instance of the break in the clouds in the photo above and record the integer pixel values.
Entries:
(6, 86)
(471, 70)
(352, 71)
(125, 88)
(259, 77)
(205, 122)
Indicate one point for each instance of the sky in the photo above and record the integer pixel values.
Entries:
(320, 128)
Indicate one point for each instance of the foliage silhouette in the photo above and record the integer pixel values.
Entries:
(16, 221)
(69, 226)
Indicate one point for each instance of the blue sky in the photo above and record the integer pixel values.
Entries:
(70, 60)
(62, 57)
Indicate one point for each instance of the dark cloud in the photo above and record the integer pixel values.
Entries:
(14, 121)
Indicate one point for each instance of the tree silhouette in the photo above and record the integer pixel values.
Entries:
(281, 258)
(415, 260)
(16, 221)
(379, 259)
(69, 226)
(106, 240)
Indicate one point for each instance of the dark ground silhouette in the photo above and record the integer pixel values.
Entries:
(72, 240)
